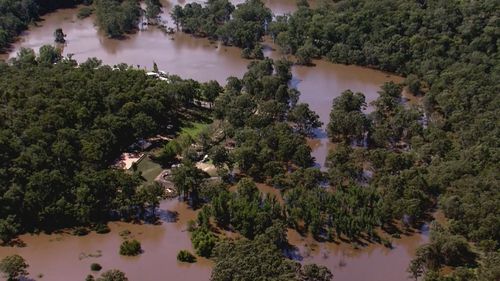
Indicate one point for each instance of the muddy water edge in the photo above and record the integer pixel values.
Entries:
(66, 257)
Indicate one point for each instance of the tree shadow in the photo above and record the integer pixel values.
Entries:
(168, 216)
(292, 252)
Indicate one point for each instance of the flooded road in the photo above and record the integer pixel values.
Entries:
(62, 256)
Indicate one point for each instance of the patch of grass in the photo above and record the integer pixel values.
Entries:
(149, 169)
(193, 129)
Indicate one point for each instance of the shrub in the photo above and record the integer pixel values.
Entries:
(80, 231)
(13, 267)
(125, 233)
(95, 267)
(102, 228)
(130, 248)
(85, 12)
(186, 256)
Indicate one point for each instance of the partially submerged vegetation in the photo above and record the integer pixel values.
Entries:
(15, 16)
(117, 18)
(242, 26)
(130, 248)
(390, 168)
(186, 256)
(449, 51)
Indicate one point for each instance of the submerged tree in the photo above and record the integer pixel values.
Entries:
(113, 275)
(59, 36)
(187, 179)
(347, 121)
(14, 267)
(153, 10)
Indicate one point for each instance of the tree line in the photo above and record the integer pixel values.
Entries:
(116, 18)
(242, 26)
(16, 15)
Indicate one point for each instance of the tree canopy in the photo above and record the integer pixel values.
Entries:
(61, 133)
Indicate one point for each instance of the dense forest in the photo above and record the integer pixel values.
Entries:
(442, 154)
(449, 52)
(62, 131)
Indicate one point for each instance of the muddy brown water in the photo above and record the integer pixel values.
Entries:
(64, 257)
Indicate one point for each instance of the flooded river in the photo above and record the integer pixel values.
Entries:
(65, 257)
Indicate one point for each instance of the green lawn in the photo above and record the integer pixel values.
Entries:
(193, 129)
(150, 170)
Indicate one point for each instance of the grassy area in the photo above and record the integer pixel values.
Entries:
(193, 129)
(150, 170)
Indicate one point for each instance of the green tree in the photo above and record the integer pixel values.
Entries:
(153, 9)
(13, 267)
(306, 53)
(305, 119)
(211, 90)
(187, 179)
(9, 227)
(203, 241)
(59, 36)
(186, 256)
(130, 248)
(49, 55)
(314, 272)
(347, 121)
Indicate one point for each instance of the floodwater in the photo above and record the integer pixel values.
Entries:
(371, 262)
(62, 256)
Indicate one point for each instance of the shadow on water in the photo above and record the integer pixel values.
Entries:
(168, 216)
(320, 133)
(293, 253)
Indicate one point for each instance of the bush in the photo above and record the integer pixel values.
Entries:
(85, 12)
(102, 228)
(95, 267)
(80, 231)
(186, 256)
(130, 248)
(125, 233)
